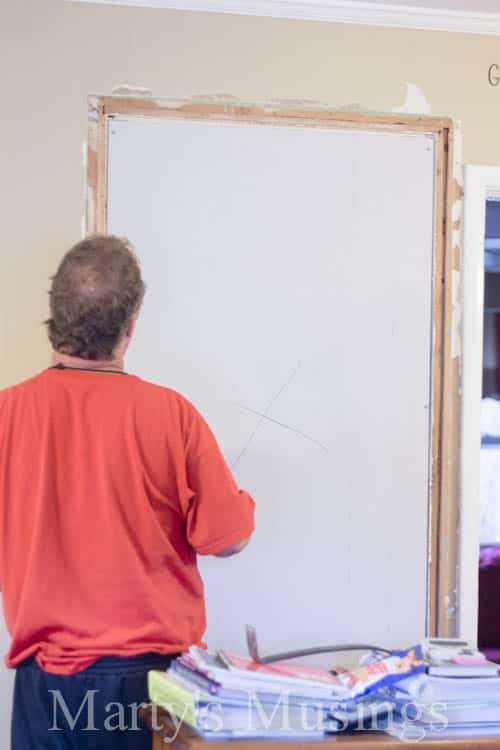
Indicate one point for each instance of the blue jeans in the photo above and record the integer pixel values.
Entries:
(96, 708)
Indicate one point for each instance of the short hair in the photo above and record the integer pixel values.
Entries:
(95, 293)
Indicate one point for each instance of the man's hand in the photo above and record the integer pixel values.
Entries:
(234, 549)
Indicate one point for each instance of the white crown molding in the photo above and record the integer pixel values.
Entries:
(337, 11)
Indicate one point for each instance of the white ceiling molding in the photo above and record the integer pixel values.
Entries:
(338, 11)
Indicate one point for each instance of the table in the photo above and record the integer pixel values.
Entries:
(187, 739)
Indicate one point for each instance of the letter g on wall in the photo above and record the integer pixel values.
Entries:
(493, 77)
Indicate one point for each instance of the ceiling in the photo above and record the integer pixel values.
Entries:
(463, 16)
(469, 6)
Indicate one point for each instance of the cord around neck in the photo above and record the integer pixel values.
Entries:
(60, 366)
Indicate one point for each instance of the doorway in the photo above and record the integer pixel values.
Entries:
(489, 473)
(479, 595)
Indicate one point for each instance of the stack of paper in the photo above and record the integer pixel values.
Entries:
(447, 706)
(218, 701)
(451, 657)
(228, 696)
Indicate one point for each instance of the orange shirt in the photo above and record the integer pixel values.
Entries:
(109, 487)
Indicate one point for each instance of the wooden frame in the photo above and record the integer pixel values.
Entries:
(445, 438)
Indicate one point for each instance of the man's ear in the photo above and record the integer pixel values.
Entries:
(130, 328)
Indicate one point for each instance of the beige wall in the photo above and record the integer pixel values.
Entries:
(53, 54)
(57, 52)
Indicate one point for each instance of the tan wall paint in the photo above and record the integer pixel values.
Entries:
(53, 54)
(56, 53)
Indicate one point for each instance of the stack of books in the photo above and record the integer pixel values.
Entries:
(219, 700)
(448, 707)
(458, 697)
(452, 657)
(226, 696)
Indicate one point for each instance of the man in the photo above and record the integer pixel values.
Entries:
(109, 488)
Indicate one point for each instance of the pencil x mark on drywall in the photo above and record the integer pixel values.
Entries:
(265, 417)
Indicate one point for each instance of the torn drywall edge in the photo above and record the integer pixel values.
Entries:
(457, 225)
(283, 104)
(89, 217)
(83, 225)
(458, 186)
(456, 323)
(134, 92)
(278, 104)
(458, 167)
(415, 102)
(95, 123)
(449, 608)
(93, 117)
(457, 211)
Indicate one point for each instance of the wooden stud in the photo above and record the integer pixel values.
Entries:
(449, 516)
(97, 167)
(281, 114)
(440, 230)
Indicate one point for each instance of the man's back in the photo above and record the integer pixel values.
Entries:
(109, 486)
